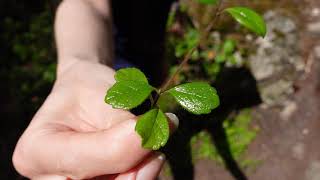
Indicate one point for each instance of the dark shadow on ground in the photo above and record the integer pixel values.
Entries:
(237, 89)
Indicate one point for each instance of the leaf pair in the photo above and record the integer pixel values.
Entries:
(132, 88)
(129, 91)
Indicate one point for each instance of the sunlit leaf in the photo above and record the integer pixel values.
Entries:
(196, 97)
(128, 94)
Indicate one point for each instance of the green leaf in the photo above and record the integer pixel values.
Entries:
(190, 39)
(196, 97)
(212, 69)
(153, 128)
(208, 1)
(232, 59)
(228, 46)
(249, 19)
(130, 74)
(128, 94)
(221, 58)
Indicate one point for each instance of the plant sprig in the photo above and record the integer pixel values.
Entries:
(132, 87)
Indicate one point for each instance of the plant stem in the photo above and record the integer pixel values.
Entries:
(156, 98)
(215, 18)
(189, 53)
(181, 65)
(151, 101)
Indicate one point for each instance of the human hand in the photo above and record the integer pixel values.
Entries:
(76, 135)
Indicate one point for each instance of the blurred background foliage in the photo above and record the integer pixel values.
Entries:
(27, 70)
(28, 53)
(224, 59)
(224, 47)
(33, 70)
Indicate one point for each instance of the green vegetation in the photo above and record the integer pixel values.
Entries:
(239, 135)
(132, 87)
(30, 60)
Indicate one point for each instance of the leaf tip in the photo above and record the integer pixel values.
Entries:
(249, 19)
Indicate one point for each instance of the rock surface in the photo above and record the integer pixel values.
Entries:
(277, 61)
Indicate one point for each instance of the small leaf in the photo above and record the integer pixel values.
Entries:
(130, 74)
(208, 1)
(228, 46)
(128, 94)
(153, 128)
(196, 97)
(221, 58)
(249, 19)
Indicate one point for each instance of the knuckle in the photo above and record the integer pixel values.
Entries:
(20, 159)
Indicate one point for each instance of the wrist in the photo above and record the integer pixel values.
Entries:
(77, 64)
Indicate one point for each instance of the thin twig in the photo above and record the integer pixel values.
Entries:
(151, 100)
(179, 68)
(215, 18)
(188, 55)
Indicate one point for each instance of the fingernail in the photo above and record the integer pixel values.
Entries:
(173, 119)
(159, 156)
(153, 168)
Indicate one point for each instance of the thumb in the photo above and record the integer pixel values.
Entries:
(81, 155)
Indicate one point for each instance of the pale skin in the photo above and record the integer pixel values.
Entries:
(75, 135)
